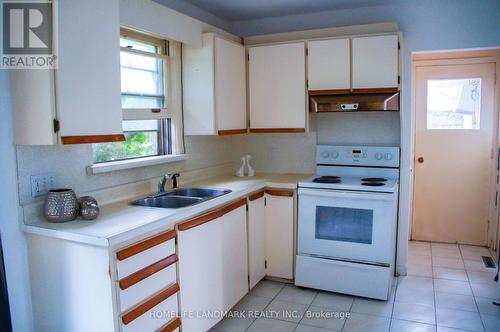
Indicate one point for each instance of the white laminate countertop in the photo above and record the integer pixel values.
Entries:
(119, 222)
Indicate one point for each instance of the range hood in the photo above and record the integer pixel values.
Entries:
(353, 102)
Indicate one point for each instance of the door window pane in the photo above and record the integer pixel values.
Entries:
(344, 224)
(453, 104)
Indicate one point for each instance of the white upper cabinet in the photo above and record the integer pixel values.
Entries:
(214, 86)
(83, 93)
(328, 64)
(277, 88)
(375, 62)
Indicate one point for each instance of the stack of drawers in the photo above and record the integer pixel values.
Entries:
(147, 288)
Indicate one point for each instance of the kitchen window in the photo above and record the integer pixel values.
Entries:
(150, 95)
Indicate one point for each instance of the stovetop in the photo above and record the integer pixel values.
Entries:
(355, 168)
(352, 183)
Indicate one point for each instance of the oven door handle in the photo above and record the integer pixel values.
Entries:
(345, 194)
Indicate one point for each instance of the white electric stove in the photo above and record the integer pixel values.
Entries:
(347, 220)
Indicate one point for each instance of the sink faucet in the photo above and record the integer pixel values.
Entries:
(165, 178)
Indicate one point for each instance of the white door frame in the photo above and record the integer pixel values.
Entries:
(457, 58)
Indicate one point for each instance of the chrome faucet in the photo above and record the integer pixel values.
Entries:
(165, 178)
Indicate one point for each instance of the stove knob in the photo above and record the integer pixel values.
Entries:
(379, 156)
(335, 154)
(388, 156)
(325, 154)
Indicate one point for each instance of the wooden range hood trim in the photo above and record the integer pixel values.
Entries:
(375, 90)
(367, 102)
(329, 92)
(277, 130)
(197, 221)
(92, 139)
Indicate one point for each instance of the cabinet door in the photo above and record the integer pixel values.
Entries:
(277, 88)
(88, 78)
(230, 86)
(213, 267)
(328, 64)
(256, 239)
(198, 88)
(375, 62)
(279, 235)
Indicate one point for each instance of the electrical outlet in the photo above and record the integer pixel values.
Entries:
(42, 183)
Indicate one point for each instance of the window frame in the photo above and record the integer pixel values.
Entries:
(170, 134)
(162, 54)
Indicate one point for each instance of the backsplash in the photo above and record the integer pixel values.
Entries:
(366, 128)
(69, 163)
(280, 153)
(272, 153)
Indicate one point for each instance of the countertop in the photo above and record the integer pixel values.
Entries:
(120, 221)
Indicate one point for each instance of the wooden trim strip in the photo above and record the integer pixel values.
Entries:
(282, 193)
(277, 130)
(256, 195)
(171, 326)
(145, 245)
(152, 302)
(232, 132)
(92, 139)
(329, 92)
(375, 90)
(147, 272)
(212, 215)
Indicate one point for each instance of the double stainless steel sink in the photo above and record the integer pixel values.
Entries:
(179, 198)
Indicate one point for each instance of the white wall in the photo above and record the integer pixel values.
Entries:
(13, 241)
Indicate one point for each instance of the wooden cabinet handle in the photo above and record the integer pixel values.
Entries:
(420, 160)
(277, 130)
(282, 193)
(149, 304)
(145, 245)
(256, 195)
(232, 132)
(171, 326)
(211, 216)
(147, 272)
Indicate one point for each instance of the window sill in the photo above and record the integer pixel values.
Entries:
(134, 163)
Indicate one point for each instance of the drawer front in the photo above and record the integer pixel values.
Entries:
(155, 318)
(146, 288)
(145, 258)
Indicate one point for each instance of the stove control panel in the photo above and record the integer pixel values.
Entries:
(381, 156)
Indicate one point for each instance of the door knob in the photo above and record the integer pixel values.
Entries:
(420, 159)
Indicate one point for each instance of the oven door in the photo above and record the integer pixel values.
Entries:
(348, 225)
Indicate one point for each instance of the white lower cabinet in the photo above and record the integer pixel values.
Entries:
(279, 244)
(213, 266)
(81, 287)
(256, 238)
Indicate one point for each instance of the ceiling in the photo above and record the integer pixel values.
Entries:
(236, 10)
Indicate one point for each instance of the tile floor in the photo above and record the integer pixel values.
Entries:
(447, 289)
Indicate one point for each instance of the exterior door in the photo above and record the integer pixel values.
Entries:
(454, 140)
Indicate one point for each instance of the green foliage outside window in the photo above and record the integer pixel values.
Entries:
(137, 144)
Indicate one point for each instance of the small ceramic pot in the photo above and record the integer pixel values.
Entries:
(89, 209)
(60, 205)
